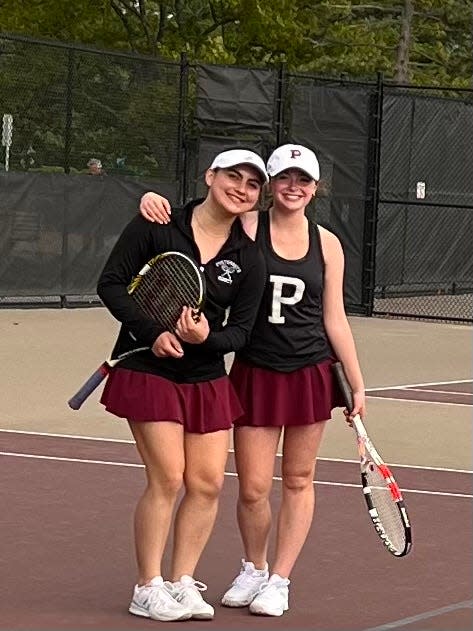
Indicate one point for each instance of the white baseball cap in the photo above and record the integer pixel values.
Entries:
(293, 157)
(232, 157)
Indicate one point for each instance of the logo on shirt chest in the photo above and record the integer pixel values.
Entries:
(227, 270)
(293, 290)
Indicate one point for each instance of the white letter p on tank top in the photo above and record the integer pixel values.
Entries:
(279, 299)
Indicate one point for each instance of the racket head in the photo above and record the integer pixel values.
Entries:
(382, 494)
(383, 497)
(170, 281)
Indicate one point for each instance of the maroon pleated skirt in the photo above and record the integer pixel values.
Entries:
(277, 399)
(203, 407)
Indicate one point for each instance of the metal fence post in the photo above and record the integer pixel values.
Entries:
(281, 91)
(371, 207)
(71, 56)
(181, 162)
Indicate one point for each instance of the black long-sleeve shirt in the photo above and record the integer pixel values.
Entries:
(234, 279)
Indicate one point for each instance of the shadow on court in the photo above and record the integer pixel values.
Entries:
(67, 553)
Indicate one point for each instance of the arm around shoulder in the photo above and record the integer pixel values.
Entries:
(155, 208)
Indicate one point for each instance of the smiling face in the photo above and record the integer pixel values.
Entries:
(292, 190)
(235, 190)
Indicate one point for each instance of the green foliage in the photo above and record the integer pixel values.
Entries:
(69, 106)
(322, 37)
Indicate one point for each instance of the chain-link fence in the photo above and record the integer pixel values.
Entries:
(70, 104)
(397, 168)
(425, 212)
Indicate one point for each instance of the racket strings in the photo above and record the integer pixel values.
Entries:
(386, 507)
(168, 285)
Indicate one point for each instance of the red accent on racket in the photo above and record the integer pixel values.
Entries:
(382, 494)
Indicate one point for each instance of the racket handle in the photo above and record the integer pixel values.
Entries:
(344, 385)
(89, 386)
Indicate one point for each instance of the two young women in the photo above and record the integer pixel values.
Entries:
(283, 377)
(177, 397)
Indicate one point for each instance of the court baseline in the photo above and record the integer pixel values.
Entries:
(68, 503)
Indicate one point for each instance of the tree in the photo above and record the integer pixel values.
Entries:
(421, 41)
(403, 50)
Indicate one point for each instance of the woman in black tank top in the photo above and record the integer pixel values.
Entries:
(283, 376)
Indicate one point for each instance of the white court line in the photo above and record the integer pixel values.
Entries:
(403, 400)
(466, 604)
(14, 454)
(132, 442)
(463, 394)
(76, 436)
(227, 473)
(414, 385)
(405, 466)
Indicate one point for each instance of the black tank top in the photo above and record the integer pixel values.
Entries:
(289, 333)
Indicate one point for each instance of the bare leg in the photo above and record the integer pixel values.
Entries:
(301, 445)
(255, 450)
(161, 446)
(206, 456)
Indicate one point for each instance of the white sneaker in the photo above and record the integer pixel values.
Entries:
(186, 592)
(246, 585)
(153, 600)
(272, 598)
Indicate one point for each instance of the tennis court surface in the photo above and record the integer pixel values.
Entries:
(70, 481)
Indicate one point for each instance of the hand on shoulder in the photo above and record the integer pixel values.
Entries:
(155, 208)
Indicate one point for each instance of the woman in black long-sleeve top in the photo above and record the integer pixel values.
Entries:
(177, 397)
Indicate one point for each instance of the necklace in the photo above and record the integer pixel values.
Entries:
(209, 232)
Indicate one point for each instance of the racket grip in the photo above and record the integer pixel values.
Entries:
(344, 385)
(89, 386)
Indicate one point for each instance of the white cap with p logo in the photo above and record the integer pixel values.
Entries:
(293, 157)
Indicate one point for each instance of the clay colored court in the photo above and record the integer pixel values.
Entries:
(70, 481)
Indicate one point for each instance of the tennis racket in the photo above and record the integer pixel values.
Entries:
(166, 284)
(382, 495)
